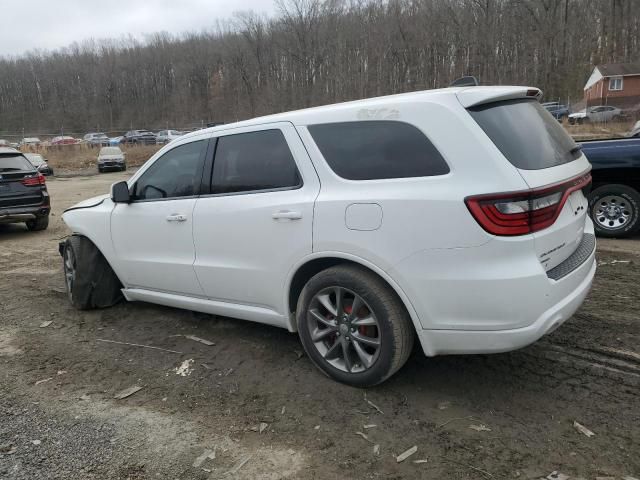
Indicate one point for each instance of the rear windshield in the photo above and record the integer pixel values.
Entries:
(526, 134)
(110, 151)
(14, 163)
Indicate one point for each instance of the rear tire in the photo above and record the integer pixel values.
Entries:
(376, 336)
(90, 281)
(40, 223)
(615, 210)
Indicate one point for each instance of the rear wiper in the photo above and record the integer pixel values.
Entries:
(10, 169)
(575, 149)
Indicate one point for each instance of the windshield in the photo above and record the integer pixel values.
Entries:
(110, 151)
(35, 159)
(9, 163)
(526, 134)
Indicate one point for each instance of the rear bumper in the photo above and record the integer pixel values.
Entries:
(442, 342)
(23, 214)
(113, 166)
(495, 297)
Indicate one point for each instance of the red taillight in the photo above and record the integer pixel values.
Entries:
(33, 181)
(519, 213)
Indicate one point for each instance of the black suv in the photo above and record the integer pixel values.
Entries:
(23, 191)
(144, 137)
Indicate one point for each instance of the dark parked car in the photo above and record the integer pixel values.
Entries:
(558, 111)
(40, 163)
(143, 137)
(23, 191)
(614, 202)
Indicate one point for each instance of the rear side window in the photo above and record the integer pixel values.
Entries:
(374, 150)
(254, 161)
(526, 134)
(14, 163)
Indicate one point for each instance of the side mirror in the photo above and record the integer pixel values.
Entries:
(120, 193)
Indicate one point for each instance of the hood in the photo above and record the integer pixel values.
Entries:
(582, 114)
(111, 157)
(89, 202)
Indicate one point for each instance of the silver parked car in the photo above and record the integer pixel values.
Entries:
(165, 136)
(40, 163)
(598, 114)
(111, 158)
(96, 139)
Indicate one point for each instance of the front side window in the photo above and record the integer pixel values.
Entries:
(254, 161)
(374, 150)
(615, 83)
(176, 174)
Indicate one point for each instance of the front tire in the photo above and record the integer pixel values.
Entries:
(40, 223)
(90, 281)
(615, 210)
(353, 326)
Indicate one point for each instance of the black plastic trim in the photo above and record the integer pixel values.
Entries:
(576, 259)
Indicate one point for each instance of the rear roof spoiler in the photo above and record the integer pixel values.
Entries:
(473, 96)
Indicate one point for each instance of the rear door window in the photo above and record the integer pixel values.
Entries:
(254, 161)
(374, 150)
(526, 134)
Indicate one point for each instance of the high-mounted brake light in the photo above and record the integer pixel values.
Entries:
(34, 181)
(519, 213)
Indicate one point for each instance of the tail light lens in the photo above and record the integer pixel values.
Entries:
(519, 213)
(34, 181)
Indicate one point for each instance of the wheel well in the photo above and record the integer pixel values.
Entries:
(625, 176)
(75, 234)
(304, 274)
(313, 267)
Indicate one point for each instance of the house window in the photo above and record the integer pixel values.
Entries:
(615, 83)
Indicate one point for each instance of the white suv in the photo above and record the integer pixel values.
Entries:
(456, 215)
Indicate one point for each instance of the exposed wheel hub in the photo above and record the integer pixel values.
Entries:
(613, 212)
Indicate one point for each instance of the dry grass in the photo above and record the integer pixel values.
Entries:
(598, 130)
(83, 157)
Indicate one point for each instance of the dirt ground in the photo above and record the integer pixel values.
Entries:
(255, 400)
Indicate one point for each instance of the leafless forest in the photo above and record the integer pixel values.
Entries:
(314, 52)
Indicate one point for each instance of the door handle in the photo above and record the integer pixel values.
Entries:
(287, 214)
(177, 218)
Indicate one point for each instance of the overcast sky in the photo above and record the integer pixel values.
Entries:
(51, 24)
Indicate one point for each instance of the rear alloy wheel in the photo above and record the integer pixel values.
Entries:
(353, 326)
(344, 329)
(614, 210)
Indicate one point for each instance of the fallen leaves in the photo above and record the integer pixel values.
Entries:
(582, 429)
(127, 392)
(406, 454)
